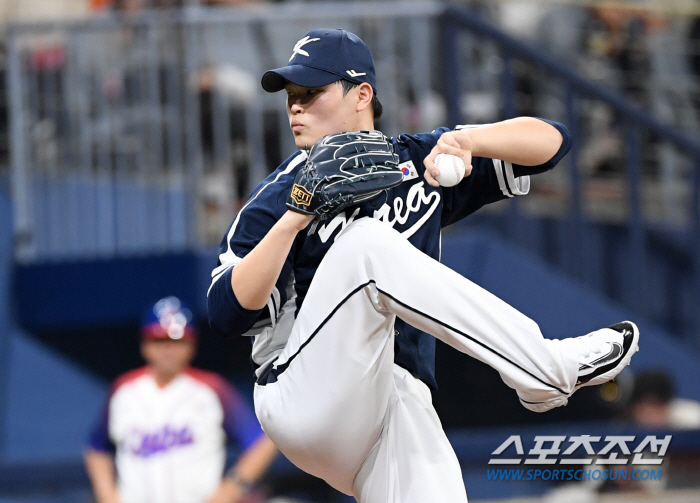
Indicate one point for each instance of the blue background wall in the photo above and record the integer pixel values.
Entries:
(51, 399)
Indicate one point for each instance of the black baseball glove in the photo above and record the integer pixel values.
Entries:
(342, 170)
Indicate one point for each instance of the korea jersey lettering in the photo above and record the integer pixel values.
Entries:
(414, 208)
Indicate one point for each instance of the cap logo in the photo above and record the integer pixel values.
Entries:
(353, 73)
(298, 46)
(172, 317)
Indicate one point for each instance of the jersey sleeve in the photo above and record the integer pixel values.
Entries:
(99, 438)
(267, 204)
(99, 435)
(492, 180)
(519, 171)
(240, 424)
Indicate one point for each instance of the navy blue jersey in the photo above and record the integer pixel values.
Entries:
(414, 208)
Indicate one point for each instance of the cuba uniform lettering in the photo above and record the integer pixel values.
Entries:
(170, 443)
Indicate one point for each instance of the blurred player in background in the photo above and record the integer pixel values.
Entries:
(654, 403)
(166, 426)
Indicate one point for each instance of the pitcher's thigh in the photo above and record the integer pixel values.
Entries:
(413, 462)
(326, 409)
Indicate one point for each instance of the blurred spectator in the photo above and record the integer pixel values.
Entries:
(654, 405)
(43, 54)
(45, 48)
(165, 426)
(230, 2)
(617, 45)
(131, 6)
(619, 33)
(36, 10)
(694, 57)
(136, 5)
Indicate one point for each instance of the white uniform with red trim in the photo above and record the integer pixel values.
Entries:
(170, 442)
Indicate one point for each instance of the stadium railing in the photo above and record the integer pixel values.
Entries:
(648, 181)
(141, 134)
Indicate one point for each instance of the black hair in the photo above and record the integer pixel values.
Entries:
(655, 385)
(377, 107)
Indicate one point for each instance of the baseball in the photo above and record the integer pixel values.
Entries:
(451, 168)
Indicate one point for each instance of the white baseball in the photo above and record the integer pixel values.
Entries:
(451, 168)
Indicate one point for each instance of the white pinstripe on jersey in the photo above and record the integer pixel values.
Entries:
(228, 258)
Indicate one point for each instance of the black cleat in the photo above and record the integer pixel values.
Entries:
(604, 353)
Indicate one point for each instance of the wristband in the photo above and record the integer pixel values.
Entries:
(234, 476)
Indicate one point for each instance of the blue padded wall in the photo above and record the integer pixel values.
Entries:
(562, 307)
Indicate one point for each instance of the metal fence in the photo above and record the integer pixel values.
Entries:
(649, 50)
(141, 134)
(625, 167)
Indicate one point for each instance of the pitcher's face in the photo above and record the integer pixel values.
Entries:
(315, 112)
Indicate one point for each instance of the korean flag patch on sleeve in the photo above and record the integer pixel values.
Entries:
(408, 170)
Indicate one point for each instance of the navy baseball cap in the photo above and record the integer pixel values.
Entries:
(322, 57)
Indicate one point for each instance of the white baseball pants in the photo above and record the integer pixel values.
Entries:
(341, 410)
